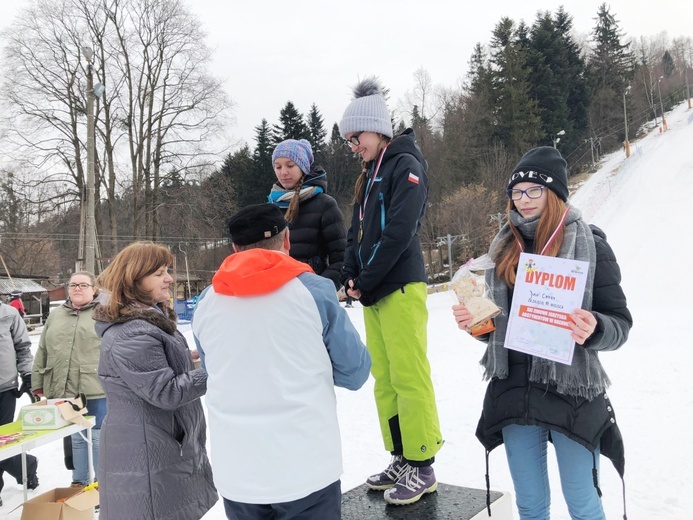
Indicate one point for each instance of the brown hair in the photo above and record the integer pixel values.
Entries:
(122, 276)
(507, 255)
(292, 210)
(360, 188)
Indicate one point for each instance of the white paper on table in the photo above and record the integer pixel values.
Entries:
(547, 290)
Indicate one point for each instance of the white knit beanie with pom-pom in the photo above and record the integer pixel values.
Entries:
(368, 111)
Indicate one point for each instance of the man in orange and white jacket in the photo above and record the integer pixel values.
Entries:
(275, 342)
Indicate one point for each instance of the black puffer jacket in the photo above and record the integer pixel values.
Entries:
(318, 235)
(389, 255)
(517, 400)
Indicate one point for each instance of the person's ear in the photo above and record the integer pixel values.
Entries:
(235, 249)
(287, 242)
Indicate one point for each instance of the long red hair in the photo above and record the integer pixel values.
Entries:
(507, 255)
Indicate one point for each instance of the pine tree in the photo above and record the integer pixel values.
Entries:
(263, 168)
(575, 78)
(546, 57)
(238, 168)
(421, 126)
(557, 79)
(610, 70)
(668, 65)
(317, 132)
(342, 168)
(517, 115)
(469, 123)
(291, 125)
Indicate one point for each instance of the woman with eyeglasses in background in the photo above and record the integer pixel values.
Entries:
(66, 364)
(531, 400)
(384, 269)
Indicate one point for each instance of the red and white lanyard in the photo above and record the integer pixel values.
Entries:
(553, 235)
(362, 207)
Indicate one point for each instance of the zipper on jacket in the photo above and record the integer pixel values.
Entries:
(375, 250)
(382, 227)
(529, 384)
(382, 211)
(173, 433)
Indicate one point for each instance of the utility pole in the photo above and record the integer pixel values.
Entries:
(661, 105)
(594, 141)
(688, 92)
(449, 239)
(498, 218)
(90, 220)
(626, 143)
(556, 139)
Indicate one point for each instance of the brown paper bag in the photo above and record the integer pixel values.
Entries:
(74, 410)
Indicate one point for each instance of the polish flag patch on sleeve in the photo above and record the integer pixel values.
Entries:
(413, 178)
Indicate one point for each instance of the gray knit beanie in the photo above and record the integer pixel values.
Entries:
(543, 165)
(368, 111)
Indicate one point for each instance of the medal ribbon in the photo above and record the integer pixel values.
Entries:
(362, 207)
(553, 235)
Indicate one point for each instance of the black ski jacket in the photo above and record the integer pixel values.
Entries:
(318, 234)
(388, 255)
(517, 400)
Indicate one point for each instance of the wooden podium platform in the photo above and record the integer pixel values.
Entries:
(446, 503)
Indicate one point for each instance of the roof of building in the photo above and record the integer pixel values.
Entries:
(20, 284)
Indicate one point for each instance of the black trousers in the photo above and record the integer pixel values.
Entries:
(324, 504)
(13, 465)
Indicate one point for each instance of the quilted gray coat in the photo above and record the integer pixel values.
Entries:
(153, 463)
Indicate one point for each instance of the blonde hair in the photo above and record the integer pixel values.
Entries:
(507, 255)
(122, 276)
(292, 210)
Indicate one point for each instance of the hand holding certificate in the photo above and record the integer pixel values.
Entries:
(547, 291)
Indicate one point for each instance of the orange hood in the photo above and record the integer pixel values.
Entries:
(255, 272)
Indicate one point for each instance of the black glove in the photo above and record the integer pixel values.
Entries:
(26, 387)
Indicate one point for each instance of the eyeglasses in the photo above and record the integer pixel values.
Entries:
(82, 286)
(532, 193)
(354, 140)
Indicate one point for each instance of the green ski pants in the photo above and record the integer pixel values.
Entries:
(396, 339)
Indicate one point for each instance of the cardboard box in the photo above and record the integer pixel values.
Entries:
(77, 505)
(44, 415)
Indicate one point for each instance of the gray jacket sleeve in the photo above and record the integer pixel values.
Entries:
(140, 361)
(22, 345)
(351, 362)
(609, 305)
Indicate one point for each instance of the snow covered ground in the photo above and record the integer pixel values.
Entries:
(641, 203)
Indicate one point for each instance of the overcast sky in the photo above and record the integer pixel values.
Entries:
(314, 51)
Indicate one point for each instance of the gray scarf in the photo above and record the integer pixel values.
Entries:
(585, 377)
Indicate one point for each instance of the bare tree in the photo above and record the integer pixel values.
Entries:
(162, 112)
(425, 99)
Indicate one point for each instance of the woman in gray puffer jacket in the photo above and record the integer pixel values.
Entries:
(153, 463)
